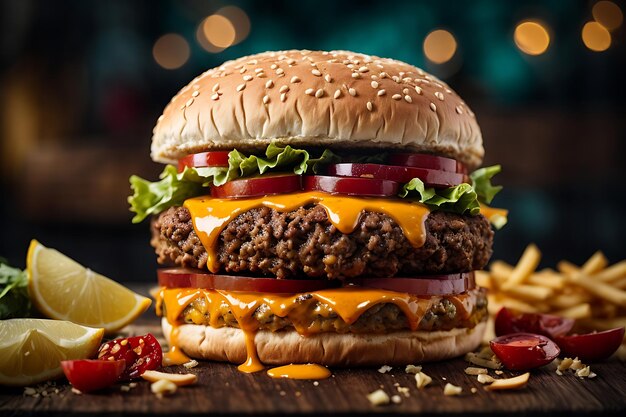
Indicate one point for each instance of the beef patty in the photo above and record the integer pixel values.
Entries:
(303, 243)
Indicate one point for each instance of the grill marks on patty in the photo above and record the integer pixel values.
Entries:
(318, 317)
(304, 244)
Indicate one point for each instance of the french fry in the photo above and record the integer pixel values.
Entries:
(612, 273)
(531, 292)
(567, 268)
(526, 265)
(581, 311)
(548, 279)
(596, 263)
(600, 289)
(515, 304)
(620, 283)
(565, 301)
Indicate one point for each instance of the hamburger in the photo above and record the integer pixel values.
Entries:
(319, 207)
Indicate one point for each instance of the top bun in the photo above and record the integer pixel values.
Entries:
(335, 99)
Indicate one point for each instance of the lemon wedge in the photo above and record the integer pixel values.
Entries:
(63, 289)
(31, 350)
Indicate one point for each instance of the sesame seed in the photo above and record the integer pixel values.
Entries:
(407, 80)
(459, 109)
(383, 75)
(351, 66)
(240, 87)
(269, 84)
(447, 90)
(280, 71)
(374, 84)
(216, 87)
(374, 77)
(309, 91)
(396, 79)
(189, 102)
(328, 78)
(439, 95)
(418, 90)
(381, 93)
(337, 94)
(284, 89)
(319, 93)
(274, 66)
(352, 92)
(356, 75)
(291, 61)
(247, 77)
(396, 97)
(266, 99)
(261, 75)
(408, 99)
(369, 106)
(215, 96)
(241, 71)
(316, 72)
(364, 69)
(433, 107)
(195, 93)
(405, 91)
(283, 97)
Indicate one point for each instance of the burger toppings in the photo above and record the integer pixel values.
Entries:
(140, 353)
(341, 310)
(205, 170)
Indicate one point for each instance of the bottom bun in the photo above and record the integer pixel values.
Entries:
(332, 349)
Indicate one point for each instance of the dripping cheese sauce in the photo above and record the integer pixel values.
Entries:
(211, 215)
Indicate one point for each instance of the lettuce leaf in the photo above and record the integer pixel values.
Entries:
(460, 199)
(481, 180)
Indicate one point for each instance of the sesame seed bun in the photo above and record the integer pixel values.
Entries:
(333, 99)
(332, 349)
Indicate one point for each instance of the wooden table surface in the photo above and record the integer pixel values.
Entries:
(222, 389)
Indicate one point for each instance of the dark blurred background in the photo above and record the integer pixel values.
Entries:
(83, 82)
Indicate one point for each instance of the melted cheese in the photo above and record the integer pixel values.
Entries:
(210, 215)
(306, 371)
(349, 303)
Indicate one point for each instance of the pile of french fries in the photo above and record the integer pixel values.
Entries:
(594, 294)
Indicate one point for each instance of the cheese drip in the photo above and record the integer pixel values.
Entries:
(348, 303)
(211, 215)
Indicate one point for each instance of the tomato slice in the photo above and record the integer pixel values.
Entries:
(369, 187)
(421, 160)
(592, 347)
(88, 375)
(427, 285)
(401, 174)
(183, 278)
(524, 351)
(508, 321)
(258, 186)
(141, 353)
(204, 159)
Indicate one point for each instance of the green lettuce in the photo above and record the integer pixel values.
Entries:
(463, 198)
(14, 300)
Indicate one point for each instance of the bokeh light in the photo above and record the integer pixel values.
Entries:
(532, 37)
(596, 37)
(608, 14)
(216, 33)
(439, 46)
(239, 19)
(171, 51)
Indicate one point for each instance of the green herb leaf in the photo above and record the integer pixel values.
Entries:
(14, 300)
